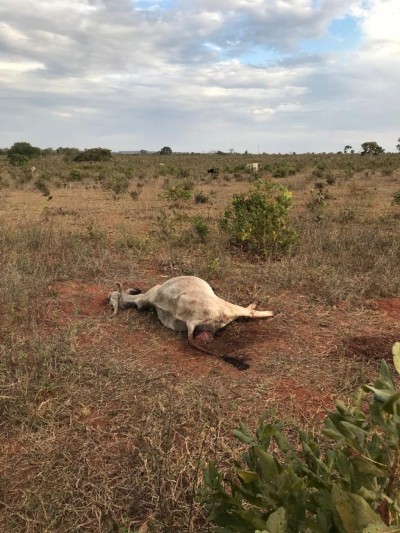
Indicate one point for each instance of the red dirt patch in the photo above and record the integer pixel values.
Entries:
(390, 306)
(80, 298)
(370, 348)
(303, 399)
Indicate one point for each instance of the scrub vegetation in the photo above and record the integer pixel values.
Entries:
(108, 422)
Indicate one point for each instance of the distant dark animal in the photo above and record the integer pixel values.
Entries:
(189, 304)
(214, 171)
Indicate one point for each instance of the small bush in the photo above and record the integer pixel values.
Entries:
(183, 173)
(396, 197)
(135, 194)
(118, 183)
(259, 221)
(347, 214)
(318, 201)
(75, 175)
(201, 198)
(180, 191)
(281, 171)
(201, 227)
(41, 186)
(18, 160)
(351, 486)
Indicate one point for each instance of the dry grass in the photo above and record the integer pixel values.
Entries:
(106, 422)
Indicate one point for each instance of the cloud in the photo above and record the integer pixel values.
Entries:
(199, 74)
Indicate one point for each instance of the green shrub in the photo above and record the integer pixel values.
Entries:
(280, 172)
(118, 183)
(396, 197)
(18, 160)
(180, 191)
(75, 175)
(259, 221)
(283, 170)
(351, 486)
(94, 154)
(201, 227)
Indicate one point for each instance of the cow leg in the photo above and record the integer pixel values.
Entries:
(237, 361)
(252, 313)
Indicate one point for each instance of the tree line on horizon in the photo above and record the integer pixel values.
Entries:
(21, 152)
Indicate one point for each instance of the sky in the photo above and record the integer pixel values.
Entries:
(274, 76)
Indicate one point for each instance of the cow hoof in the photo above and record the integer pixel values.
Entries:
(238, 361)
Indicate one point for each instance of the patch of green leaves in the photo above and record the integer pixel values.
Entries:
(396, 197)
(351, 486)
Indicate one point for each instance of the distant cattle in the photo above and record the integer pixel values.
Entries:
(252, 166)
(33, 170)
(214, 171)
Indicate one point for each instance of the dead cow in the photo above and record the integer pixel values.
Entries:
(188, 304)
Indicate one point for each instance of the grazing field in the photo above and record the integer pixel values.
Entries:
(107, 421)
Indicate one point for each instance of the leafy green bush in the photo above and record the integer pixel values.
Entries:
(201, 227)
(75, 175)
(351, 486)
(17, 160)
(396, 197)
(118, 183)
(283, 170)
(182, 190)
(259, 221)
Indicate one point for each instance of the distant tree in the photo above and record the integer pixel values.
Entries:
(231, 150)
(25, 149)
(398, 145)
(48, 151)
(68, 153)
(347, 148)
(371, 148)
(143, 152)
(166, 150)
(94, 154)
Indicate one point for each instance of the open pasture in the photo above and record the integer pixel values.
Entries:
(106, 421)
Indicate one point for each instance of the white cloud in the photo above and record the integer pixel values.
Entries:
(19, 66)
(130, 73)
